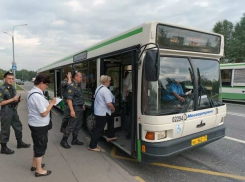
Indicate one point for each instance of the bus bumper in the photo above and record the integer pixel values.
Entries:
(155, 151)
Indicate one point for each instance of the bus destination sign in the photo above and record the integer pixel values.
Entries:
(169, 37)
(79, 57)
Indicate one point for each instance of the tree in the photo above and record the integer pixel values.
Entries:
(238, 42)
(225, 28)
(1, 76)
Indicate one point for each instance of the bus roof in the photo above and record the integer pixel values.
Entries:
(136, 31)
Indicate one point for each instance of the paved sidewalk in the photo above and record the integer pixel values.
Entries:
(74, 165)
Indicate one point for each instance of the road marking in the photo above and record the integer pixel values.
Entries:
(200, 171)
(139, 179)
(113, 154)
(234, 139)
(236, 114)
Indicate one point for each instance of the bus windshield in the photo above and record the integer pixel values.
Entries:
(175, 90)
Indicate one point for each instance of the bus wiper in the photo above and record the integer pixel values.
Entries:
(184, 109)
(203, 89)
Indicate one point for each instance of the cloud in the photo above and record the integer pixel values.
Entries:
(58, 22)
(98, 2)
(202, 4)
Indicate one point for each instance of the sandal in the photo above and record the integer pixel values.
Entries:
(95, 149)
(111, 139)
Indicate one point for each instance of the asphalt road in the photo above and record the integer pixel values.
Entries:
(223, 160)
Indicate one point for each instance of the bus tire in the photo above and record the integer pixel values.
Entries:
(90, 121)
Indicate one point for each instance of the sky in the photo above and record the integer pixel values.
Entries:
(58, 28)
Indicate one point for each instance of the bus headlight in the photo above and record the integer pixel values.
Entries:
(161, 135)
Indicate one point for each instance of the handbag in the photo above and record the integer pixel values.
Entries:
(92, 105)
(50, 125)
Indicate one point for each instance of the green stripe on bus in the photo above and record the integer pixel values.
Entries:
(64, 59)
(233, 96)
(232, 65)
(129, 34)
(139, 150)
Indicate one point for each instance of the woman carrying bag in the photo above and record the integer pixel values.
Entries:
(39, 121)
(103, 108)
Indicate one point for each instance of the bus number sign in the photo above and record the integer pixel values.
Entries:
(177, 118)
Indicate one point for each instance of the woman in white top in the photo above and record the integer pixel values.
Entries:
(39, 118)
(103, 108)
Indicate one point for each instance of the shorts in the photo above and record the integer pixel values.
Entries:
(40, 140)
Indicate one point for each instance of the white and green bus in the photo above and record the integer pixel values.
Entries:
(233, 81)
(157, 55)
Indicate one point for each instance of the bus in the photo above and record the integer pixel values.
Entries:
(157, 55)
(233, 81)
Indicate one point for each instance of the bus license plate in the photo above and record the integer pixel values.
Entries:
(199, 140)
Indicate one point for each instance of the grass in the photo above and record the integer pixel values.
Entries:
(17, 86)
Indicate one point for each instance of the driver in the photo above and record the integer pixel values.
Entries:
(175, 91)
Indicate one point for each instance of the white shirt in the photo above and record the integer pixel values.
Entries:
(103, 97)
(128, 81)
(37, 104)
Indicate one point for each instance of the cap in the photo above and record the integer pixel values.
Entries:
(8, 73)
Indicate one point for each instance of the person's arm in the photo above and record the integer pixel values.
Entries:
(51, 104)
(177, 96)
(107, 95)
(69, 78)
(70, 94)
(70, 105)
(173, 92)
(5, 102)
(112, 108)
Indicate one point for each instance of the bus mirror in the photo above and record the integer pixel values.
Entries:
(152, 65)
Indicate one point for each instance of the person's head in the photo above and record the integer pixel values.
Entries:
(9, 78)
(105, 80)
(179, 79)
(42, 81)
(77, 77)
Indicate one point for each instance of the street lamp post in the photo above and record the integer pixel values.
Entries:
(14, 63)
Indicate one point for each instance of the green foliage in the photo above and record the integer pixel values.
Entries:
(234, 39)
(22, 74)
(1, 76)
(25, 74)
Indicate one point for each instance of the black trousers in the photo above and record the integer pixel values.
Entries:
(99, 129)
(40, 140)
(10, 117)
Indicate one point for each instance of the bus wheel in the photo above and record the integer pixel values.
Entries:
(90, 121)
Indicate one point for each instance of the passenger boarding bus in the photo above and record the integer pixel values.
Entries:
(158, 55)
(233, 81)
